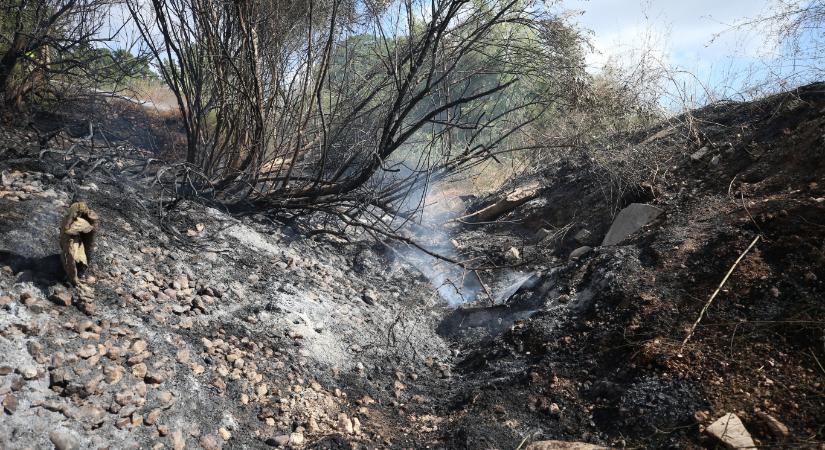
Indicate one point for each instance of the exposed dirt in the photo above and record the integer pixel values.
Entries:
(203, 329)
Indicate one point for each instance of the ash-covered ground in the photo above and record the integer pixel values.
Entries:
(233, 332)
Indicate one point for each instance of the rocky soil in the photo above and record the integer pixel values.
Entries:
(230, 333)
(197, 329)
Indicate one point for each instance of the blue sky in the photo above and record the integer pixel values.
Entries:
(697, 37)
(683, 34)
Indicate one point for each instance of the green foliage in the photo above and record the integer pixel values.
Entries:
(109, 66)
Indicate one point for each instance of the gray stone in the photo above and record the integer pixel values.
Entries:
(62, 440)
(155, 377)
(281, 440)
(209, 442)
(700, 154)
(10, 403)
(512, 255)
(370, 297)
(28, 372)
(730, 430)
(579, 252)
(296, 439)
(345, 424)
(630, 220)
(583, 236)
(178, 441)
(60, 296)
(778, 429)
(542, 234)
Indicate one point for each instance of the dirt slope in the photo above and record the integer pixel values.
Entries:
(603, 360)
(201, 329)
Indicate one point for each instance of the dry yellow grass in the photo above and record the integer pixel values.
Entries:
(154, 95)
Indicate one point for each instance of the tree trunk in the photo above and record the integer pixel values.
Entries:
(503, 205)
(7, 64)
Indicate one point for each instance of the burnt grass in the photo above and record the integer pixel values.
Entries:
(360, 332)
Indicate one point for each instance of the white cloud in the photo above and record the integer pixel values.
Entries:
(707, 57)
(683, 31)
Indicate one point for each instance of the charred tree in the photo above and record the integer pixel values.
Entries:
(341, 103)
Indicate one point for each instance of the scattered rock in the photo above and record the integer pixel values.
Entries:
(296, 439)
(261, 390)
(630, 220)
(113, 374)
(152, 417)
(87, 351)
(579, 252)
(10, 403)
(209, 442)
(370, 298)
(512, 255)
(155, 377)
(278, 441)
(345, 424)
(60, 295)
(731, 432)
(165, 397)
(183, 356)
(177, 440)
(543, 233)
(701, 416)
(583, 237)
(778, 429)
(28, 372)
(139, 346)
(90, 413)
(699, 154)
(139, 370)
(312, 425)
(62, 440)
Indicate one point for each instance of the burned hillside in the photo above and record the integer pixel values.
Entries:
(195, 327)
(603, 356)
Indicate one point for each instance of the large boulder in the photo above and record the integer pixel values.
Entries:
(731, 432)
(630, 220)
